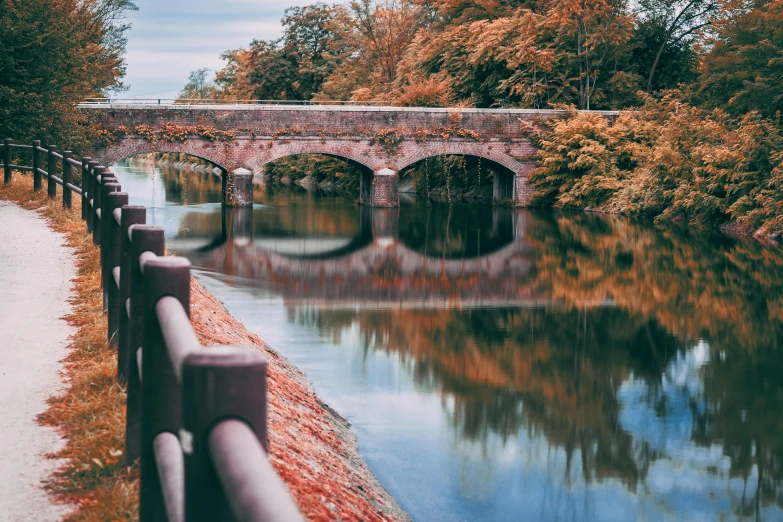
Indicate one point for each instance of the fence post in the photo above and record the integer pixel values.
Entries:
(89, 215)
(218, 383)
(144, 238)
(113, 243)
(7, 160)
(161, 400)
(36, 166)
(96, 204)
(67, 178)
(108, 185)
(52, 170)
(131, 215)
(84, 185)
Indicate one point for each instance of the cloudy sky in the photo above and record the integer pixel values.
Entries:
(170, 38)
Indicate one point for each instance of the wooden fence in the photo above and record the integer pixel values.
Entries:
(197, 418)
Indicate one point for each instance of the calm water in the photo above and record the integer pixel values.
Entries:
(511, 366)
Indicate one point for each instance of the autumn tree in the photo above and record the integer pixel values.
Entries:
(54, 55)
(373, 35)
(528, 54)
(743, 70)
(292, 67)
(590, 31)
(233, 80)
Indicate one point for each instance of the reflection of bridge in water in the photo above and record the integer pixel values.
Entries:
(374, 268)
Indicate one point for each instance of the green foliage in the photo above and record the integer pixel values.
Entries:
(294, 66)
(53, 55)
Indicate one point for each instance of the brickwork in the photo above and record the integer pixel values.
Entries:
(238, 188)
(373, 137)
(524, 190)
(384, 191)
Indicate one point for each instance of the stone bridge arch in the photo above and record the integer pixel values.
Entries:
(356, 156)
(129, 148)
(510, 182)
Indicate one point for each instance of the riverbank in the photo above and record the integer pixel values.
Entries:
(311, 446)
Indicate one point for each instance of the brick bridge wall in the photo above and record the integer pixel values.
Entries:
(383, 139)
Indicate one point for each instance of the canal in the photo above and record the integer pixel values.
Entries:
(507, 366)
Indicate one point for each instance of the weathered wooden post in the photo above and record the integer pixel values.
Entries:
(7, 160)
(144, 238)
(218, 383)
(89, 215)
(67, 178)
(113, 243)
(130, 216)
(96, 204)
(52, 171)
(108, 185)
(37, 165)
(84, 185)
(161, 399)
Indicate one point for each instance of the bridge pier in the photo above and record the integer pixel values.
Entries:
(512, 187)
(380, 189)
(238, 188)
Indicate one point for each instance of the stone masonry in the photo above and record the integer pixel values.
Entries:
(384, 140)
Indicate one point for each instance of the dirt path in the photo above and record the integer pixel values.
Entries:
(35, 274)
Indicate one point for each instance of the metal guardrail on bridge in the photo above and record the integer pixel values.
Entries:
(195, 417)
(206, 101)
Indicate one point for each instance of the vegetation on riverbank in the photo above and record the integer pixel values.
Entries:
(668, 160)
(314, 170)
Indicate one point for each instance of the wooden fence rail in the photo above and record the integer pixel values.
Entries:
(196, 417)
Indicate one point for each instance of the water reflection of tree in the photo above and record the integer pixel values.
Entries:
(697, 286)
(669, 288)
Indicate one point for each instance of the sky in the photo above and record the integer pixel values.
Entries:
(170, 38)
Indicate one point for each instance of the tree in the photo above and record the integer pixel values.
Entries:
(743, 70)
(293, 67)
(233, 80)
(677, 63)
(682, 19)
(593, 29)
(198, 87)
(52, 56)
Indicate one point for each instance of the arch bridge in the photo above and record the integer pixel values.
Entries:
(241, 139)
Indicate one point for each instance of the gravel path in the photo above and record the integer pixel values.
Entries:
(35, 274)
